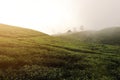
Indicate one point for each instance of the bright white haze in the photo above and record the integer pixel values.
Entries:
(56, 16)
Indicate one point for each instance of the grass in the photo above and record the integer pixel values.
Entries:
(30, 55)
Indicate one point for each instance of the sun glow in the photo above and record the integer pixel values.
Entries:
(42, 15)
(56, 16)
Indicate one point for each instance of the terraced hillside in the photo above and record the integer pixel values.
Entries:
(30, 55)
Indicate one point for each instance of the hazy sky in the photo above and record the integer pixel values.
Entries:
(54, 16)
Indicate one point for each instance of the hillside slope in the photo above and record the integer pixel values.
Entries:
(109, 35)
(31, 55)
(105, 36)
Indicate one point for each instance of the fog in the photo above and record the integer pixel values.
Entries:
(58, 16)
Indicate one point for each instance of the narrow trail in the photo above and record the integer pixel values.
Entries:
(72, 49)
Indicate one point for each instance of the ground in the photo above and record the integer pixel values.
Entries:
(30, 55)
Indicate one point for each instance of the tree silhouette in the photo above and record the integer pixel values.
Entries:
(82, 28)
(69, 31)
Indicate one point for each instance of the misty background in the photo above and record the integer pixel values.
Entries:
(58, 16)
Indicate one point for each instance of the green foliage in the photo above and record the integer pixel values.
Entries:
(106, 36)
(31, 55)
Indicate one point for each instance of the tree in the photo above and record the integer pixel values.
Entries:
(82, 28)
(69, 31)
(74, 29)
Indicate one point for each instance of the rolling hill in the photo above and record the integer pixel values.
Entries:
(26, 54)
(104, 36)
